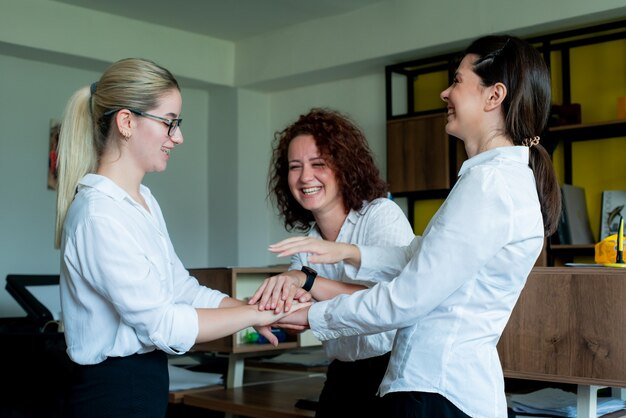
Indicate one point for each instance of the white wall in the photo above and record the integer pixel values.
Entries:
(61, 32)
(223, 167)
(397, 30)
(183, 189)
(31, 94)
(252, 159)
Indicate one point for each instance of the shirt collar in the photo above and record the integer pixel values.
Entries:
(517, 154)
(107, 186)
(353, 216)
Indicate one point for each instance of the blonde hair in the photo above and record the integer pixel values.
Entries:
(131, 83)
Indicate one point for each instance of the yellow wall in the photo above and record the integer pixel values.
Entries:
(424, 210)
(598, 79)
(427, 89)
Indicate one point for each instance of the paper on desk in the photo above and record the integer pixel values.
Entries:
(186, 379)
(589, 265)
(560, 403)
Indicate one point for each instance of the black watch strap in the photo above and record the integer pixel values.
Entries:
(310, 277)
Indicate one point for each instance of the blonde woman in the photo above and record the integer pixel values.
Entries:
(127, 300)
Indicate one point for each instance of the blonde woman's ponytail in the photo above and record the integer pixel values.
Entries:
(77, 153)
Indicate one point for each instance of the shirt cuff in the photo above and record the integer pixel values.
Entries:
(183, 332)
(318, 322)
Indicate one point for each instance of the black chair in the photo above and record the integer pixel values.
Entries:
(32, 354)
(17, 286)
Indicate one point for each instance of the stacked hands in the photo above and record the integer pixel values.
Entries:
(283, 294)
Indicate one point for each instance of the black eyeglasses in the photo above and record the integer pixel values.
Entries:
(172, 124)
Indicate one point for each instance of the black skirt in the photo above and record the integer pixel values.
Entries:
(136, 386)
(351, 388)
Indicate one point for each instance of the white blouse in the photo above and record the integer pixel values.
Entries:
(123, 288)
(380, 222)
(453, 299)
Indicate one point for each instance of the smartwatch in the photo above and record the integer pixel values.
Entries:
(310, 277)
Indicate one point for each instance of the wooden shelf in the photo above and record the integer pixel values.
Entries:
(588, 131)
(564, 253)
(582, 249)
(568, 134)
(240, 283)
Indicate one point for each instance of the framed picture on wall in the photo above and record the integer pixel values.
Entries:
(613, 207)
(53, 142)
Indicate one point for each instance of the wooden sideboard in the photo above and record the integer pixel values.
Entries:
(569, 326)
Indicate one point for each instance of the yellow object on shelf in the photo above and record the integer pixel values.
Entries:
(610, 251)
(606, 250)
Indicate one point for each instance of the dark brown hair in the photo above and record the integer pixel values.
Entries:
(519, 66)
(344, 147)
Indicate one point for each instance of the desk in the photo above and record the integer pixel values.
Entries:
(269, 399)
(569, 326)
(177, 396)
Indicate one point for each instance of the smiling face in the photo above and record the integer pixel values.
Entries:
(150, 145)
(312, 181)
(465, 99)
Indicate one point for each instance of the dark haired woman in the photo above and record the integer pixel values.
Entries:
(456, 287)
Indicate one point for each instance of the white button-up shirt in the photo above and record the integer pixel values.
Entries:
(123, 288)
(379, 223)
(453, 299)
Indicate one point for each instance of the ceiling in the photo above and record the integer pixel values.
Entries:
(230, 20)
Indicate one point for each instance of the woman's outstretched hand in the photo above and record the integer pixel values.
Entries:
(278, 292)
(267, 319)
(296, 319)
(322, 251)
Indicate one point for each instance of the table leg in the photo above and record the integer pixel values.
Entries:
(235, 371)
(587, 404)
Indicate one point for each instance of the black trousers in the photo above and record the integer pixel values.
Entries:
(350, 388)
(420, 405)
(136, 386)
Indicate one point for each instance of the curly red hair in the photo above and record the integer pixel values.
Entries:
(344, 147)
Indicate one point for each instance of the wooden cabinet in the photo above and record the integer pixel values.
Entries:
(240, 283)
(422, 159)
(568, 326)
(418, 154)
